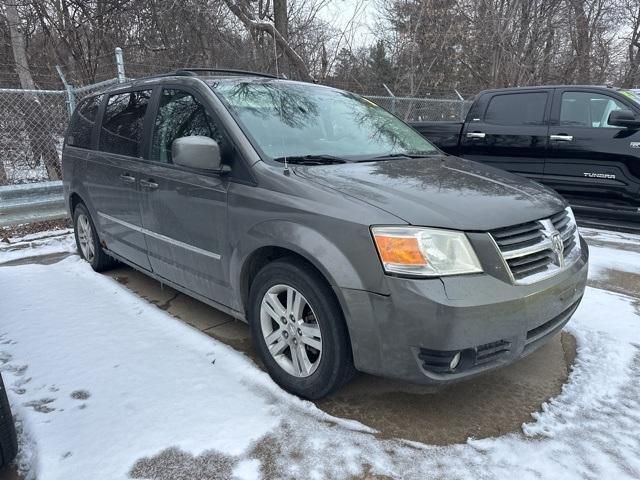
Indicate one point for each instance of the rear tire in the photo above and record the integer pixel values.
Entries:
(88, 242)
(8, 439)
(299, 329)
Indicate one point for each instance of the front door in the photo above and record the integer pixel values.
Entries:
(510, 132)
(184, 210)
(591, 163)
(112, 176)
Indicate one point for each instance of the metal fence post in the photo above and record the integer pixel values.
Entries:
(120, 65)
(461, 104)
(393, 98)
(71, 97)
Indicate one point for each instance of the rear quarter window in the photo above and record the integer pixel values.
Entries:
(82, 123)
(517, 109)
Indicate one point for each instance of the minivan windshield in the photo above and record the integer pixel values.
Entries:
(315, 124)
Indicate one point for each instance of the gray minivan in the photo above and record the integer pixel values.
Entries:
(344, 238)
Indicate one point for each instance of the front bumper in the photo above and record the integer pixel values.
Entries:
(414, 333)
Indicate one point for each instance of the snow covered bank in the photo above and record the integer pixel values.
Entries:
(37, 244)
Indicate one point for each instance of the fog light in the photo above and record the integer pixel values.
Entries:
(455, 361)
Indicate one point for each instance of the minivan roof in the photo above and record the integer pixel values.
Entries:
(183, 74)
(206, 72)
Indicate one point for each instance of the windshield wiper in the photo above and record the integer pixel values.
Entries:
(391, 156)
(311, 159)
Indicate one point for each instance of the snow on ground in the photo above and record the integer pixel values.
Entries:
(42, 243)
(604, 259)
(620, 238)
(99, 378)
(612, 251)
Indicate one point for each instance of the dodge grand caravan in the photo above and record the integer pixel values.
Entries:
(344, 238)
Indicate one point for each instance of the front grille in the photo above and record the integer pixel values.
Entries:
(529, 250)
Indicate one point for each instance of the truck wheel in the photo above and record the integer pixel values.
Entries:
(87, 240)
(299, 330)
(8, 440)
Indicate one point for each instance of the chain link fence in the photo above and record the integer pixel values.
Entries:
(412, 109)
(32, 127)
(33, 123)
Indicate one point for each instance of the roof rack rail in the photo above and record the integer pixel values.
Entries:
(193, 72)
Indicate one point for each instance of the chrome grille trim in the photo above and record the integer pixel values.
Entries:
(540, 249)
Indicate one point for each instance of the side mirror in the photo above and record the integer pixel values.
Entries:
(196, 151)
(623, 118)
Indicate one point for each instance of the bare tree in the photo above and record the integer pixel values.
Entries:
(281, 18)
(243, 11)
(631, 18)
(591, 36)
(41, 142)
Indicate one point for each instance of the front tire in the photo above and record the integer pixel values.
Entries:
(88, 242)
(299, 329)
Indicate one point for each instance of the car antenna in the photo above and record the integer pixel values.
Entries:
(286, 171)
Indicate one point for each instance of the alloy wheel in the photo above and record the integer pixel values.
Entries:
(291, 331)
(85, 238)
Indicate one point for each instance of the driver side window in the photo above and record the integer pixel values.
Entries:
(585, 109)
(179, 115)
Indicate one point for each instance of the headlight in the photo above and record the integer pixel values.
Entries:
(426, 252)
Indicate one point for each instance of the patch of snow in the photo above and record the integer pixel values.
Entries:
(151, 379)
(247, 470)
(622, 238)
(37, 244)
(41, 235)
(603, 259)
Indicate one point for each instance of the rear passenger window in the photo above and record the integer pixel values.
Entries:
(82, 123)
(123, 121)
(179, 115)
(517, 109)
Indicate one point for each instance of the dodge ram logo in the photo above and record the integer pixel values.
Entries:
(557, 246)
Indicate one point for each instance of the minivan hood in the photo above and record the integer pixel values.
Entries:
(442, 191)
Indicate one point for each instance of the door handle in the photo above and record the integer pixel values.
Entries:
(561, 138)
(127, 178)
(151, 185)
(476, 135)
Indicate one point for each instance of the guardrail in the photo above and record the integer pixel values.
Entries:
(33, 202)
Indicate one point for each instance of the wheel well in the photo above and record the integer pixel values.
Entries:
(264, 255)
(261, 257)
(73, 201)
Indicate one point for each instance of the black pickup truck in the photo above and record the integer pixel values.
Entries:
(582, 141)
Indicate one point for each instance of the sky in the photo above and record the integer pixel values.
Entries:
(357, 15)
